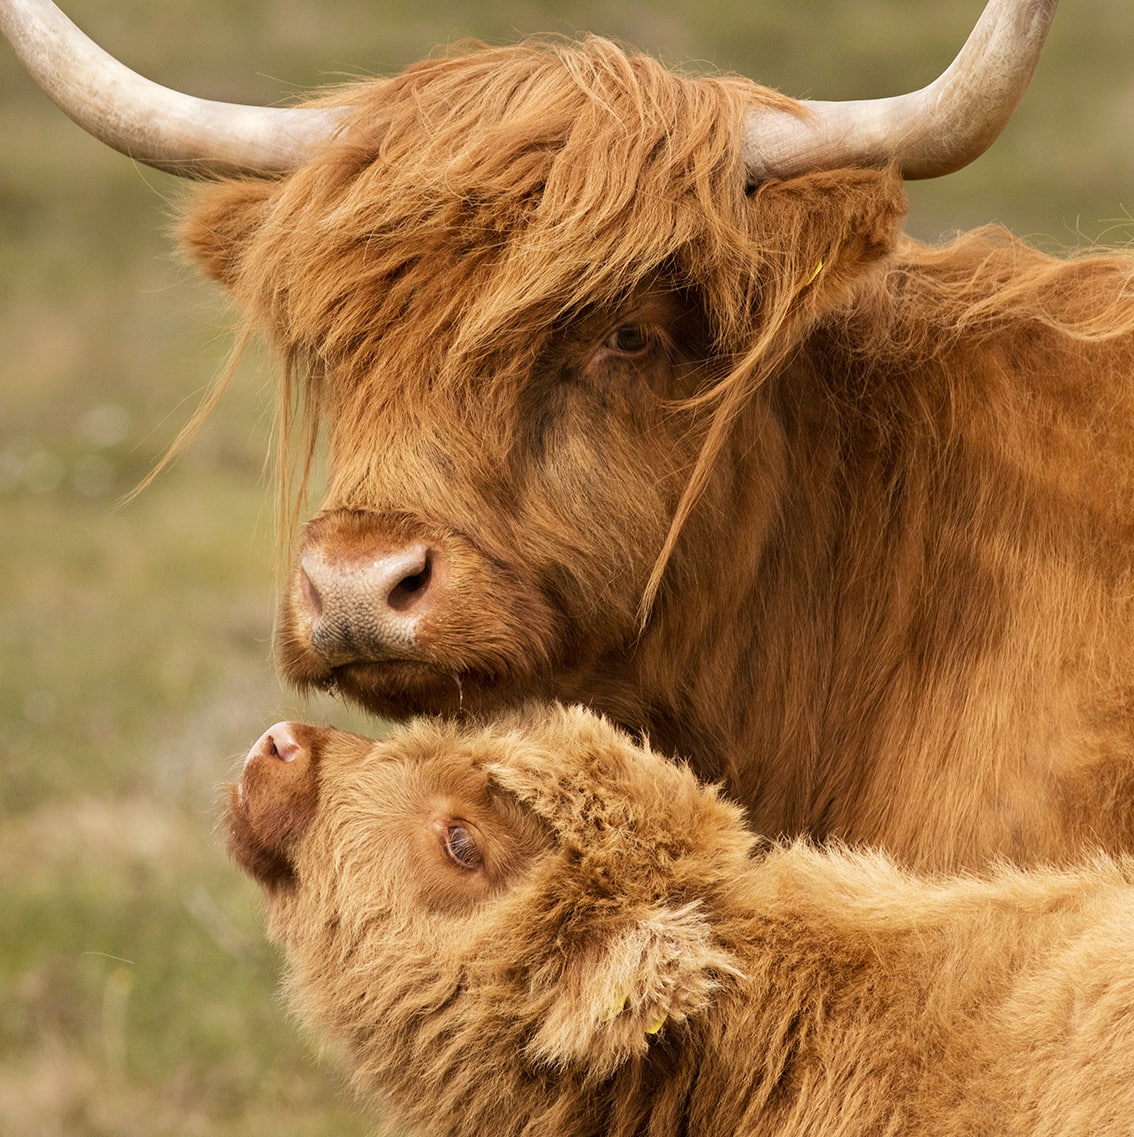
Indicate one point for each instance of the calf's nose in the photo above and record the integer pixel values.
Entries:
(279, 770)
(368, 607)
(274, 802)
(279, 743)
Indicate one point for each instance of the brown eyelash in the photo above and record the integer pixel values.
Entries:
(461, 856)
(641, 332)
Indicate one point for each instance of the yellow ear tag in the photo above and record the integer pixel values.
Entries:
(818, 270)
(615, 1007)
(618, 1004)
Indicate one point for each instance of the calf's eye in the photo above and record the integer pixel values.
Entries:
(629, 339)
(461, 848)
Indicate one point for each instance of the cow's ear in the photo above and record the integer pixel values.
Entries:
(829, 227)
(219, 223)
(609, 1000)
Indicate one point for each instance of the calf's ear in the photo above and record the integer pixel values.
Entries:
(612, 998)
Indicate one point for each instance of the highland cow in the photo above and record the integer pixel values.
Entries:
(537, 927)
(635, 396)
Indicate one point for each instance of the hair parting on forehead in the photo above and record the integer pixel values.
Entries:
(481, 200)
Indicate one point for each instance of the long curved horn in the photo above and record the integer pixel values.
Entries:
(927, 133)
(162, 128)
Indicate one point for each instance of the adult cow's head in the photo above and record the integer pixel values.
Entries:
(515, 293)
(528, 292)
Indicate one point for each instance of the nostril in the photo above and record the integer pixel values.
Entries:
(283, 743)
(409, 590)
(278, 743)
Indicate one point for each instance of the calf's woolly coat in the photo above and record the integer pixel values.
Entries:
(537, 927)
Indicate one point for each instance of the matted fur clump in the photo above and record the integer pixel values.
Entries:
(533, 926)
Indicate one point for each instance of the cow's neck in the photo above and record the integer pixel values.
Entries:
(900, 647)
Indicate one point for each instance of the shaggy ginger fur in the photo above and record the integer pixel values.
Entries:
(874, 499)
(535, 927)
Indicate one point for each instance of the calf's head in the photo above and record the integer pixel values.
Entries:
(474, 910)
(524, 292)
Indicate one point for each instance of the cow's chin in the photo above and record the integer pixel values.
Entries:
(399, 689)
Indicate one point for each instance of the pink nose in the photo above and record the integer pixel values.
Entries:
(368, 607)
(278, 743)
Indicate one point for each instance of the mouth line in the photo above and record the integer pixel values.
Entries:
(401, 688)
(385, 674)
(392, 667)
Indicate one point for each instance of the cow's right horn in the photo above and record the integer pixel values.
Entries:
(925, 133)
(162, 128)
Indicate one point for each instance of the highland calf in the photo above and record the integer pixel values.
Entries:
(537, 927)
(635, 396)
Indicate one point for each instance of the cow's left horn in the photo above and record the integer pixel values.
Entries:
(926, 133)
(162, 128)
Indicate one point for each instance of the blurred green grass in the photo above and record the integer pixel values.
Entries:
(136, 989)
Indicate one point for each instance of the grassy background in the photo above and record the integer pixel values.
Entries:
(136, 989)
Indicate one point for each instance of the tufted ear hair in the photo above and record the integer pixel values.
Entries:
(632, 828)
(219, 223)
(608, 1001)
(823, 230)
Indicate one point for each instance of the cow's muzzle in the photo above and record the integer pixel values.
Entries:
(368, 606)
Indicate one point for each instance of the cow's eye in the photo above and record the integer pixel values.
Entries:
(629, 339)
(461, 848)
